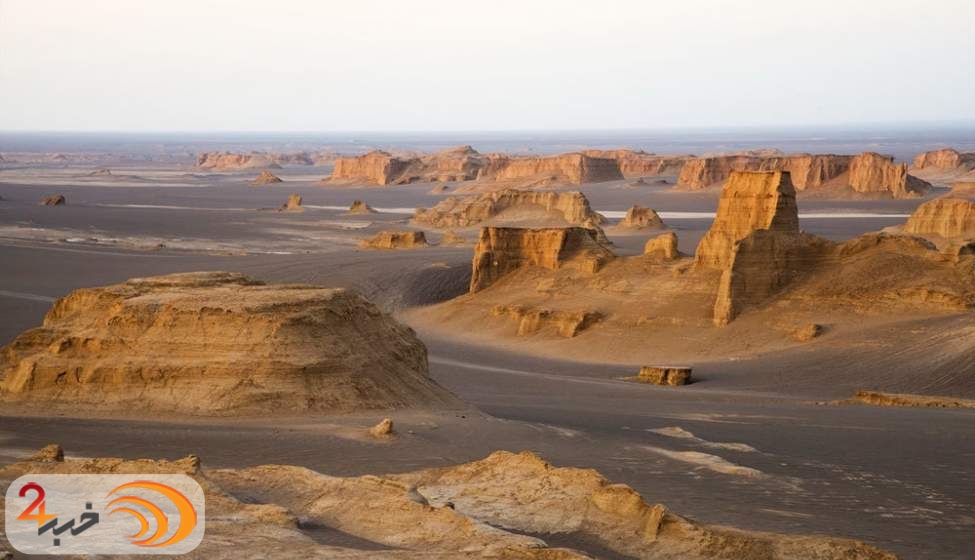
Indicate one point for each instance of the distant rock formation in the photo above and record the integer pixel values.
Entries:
(360, 207)
(466, 164)
(673, 376)
(395, 240)
(293, 204)
(228, 161)
(217, 343)
(453, 239)
(638, 217)
(663, 247)
(633, 163)
(53, 200)
(266, 178)
(945, 159)
(950, 217)
(572, 208)
(877, 398)
(101, 173)
(873, 173)
(532, 320)
(501, 250)
(701, 173)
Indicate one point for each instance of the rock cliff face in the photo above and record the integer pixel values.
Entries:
(873, 173)
(947, 158)
(701, 173)
(395, 240)
(266, 178)
(950, 217)
(641, 164)
(217, 343)
(501, 250)
(517, 205)
(750, 201)
(638, 217)
(572, 168)
(376, 167)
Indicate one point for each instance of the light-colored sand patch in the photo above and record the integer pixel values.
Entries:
(707, 461)
(681, 433)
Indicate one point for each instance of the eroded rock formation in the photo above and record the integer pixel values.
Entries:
(571, 168)
(638, 217)
(949, 217)
(228, 161)
(395, 240)
(360, 207)
(501, 250)
(633, 163)
(53, 200)
(945, 159)
(571, 208)
(665, 375)
(872, 173)
(376, 167)
(217, 343)
(532, 320)
(266, 178)
(482, 509)
(663, 247)
(293, 204)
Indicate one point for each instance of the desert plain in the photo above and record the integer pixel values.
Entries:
(262, 309)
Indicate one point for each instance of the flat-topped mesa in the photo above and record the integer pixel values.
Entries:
(231, 161)
(872, 173)
(750, 201)
(950, 217)
(570, 168)
(947, 159)
(376, 167)
(501, 250)
(217, 343)
(807, 170)
(395, 240)
(638, 217)
(570, 208)
(266, 178)
(641, 164)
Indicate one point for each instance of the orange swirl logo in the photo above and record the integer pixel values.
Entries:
(187, 513)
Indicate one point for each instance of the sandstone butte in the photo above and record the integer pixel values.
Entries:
(501, 250)
(225, 161)
(867, 173)
(293, 204)
(638, 217)
(663, 247)
(947, 159)
(395, 240)
(571, 208)
(489, 508)
(636, 163)
(360, 207)
(950, 217)
(217, 343)
(466, 164)
(266, 178)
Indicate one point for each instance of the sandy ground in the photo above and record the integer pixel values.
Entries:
(748, 446)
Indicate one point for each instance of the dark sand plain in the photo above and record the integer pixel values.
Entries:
(750, 445)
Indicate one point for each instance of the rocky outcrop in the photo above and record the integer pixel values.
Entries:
(701, 173)
(383, 429)
(807, 332)
(638, 217)
(229, 161)
(216, 343)
(293, 204)
(481, 509)
(872, 173)
(664, 375)
(360, 207)
(662, 248)
(878, 398)
(532, 320)
(641, 164)
(501, 250)
(750, 201)
(395, 240)
(571, 169)
(266, 178)
(376, 167)
(453, 239)
(571, 208)
(949, 217)
(53, 200)
(945, 159)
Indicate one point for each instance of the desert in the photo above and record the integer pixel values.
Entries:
(540, 281)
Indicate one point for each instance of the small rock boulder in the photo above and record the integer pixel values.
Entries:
(665, 375)
(663, 247)
(53, 200)
(383, 429)
(808, 332)
(293, 204)
(360, 207)
(638, 217)
(51, 453)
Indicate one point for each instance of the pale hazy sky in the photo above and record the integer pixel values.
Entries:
(289, 65)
